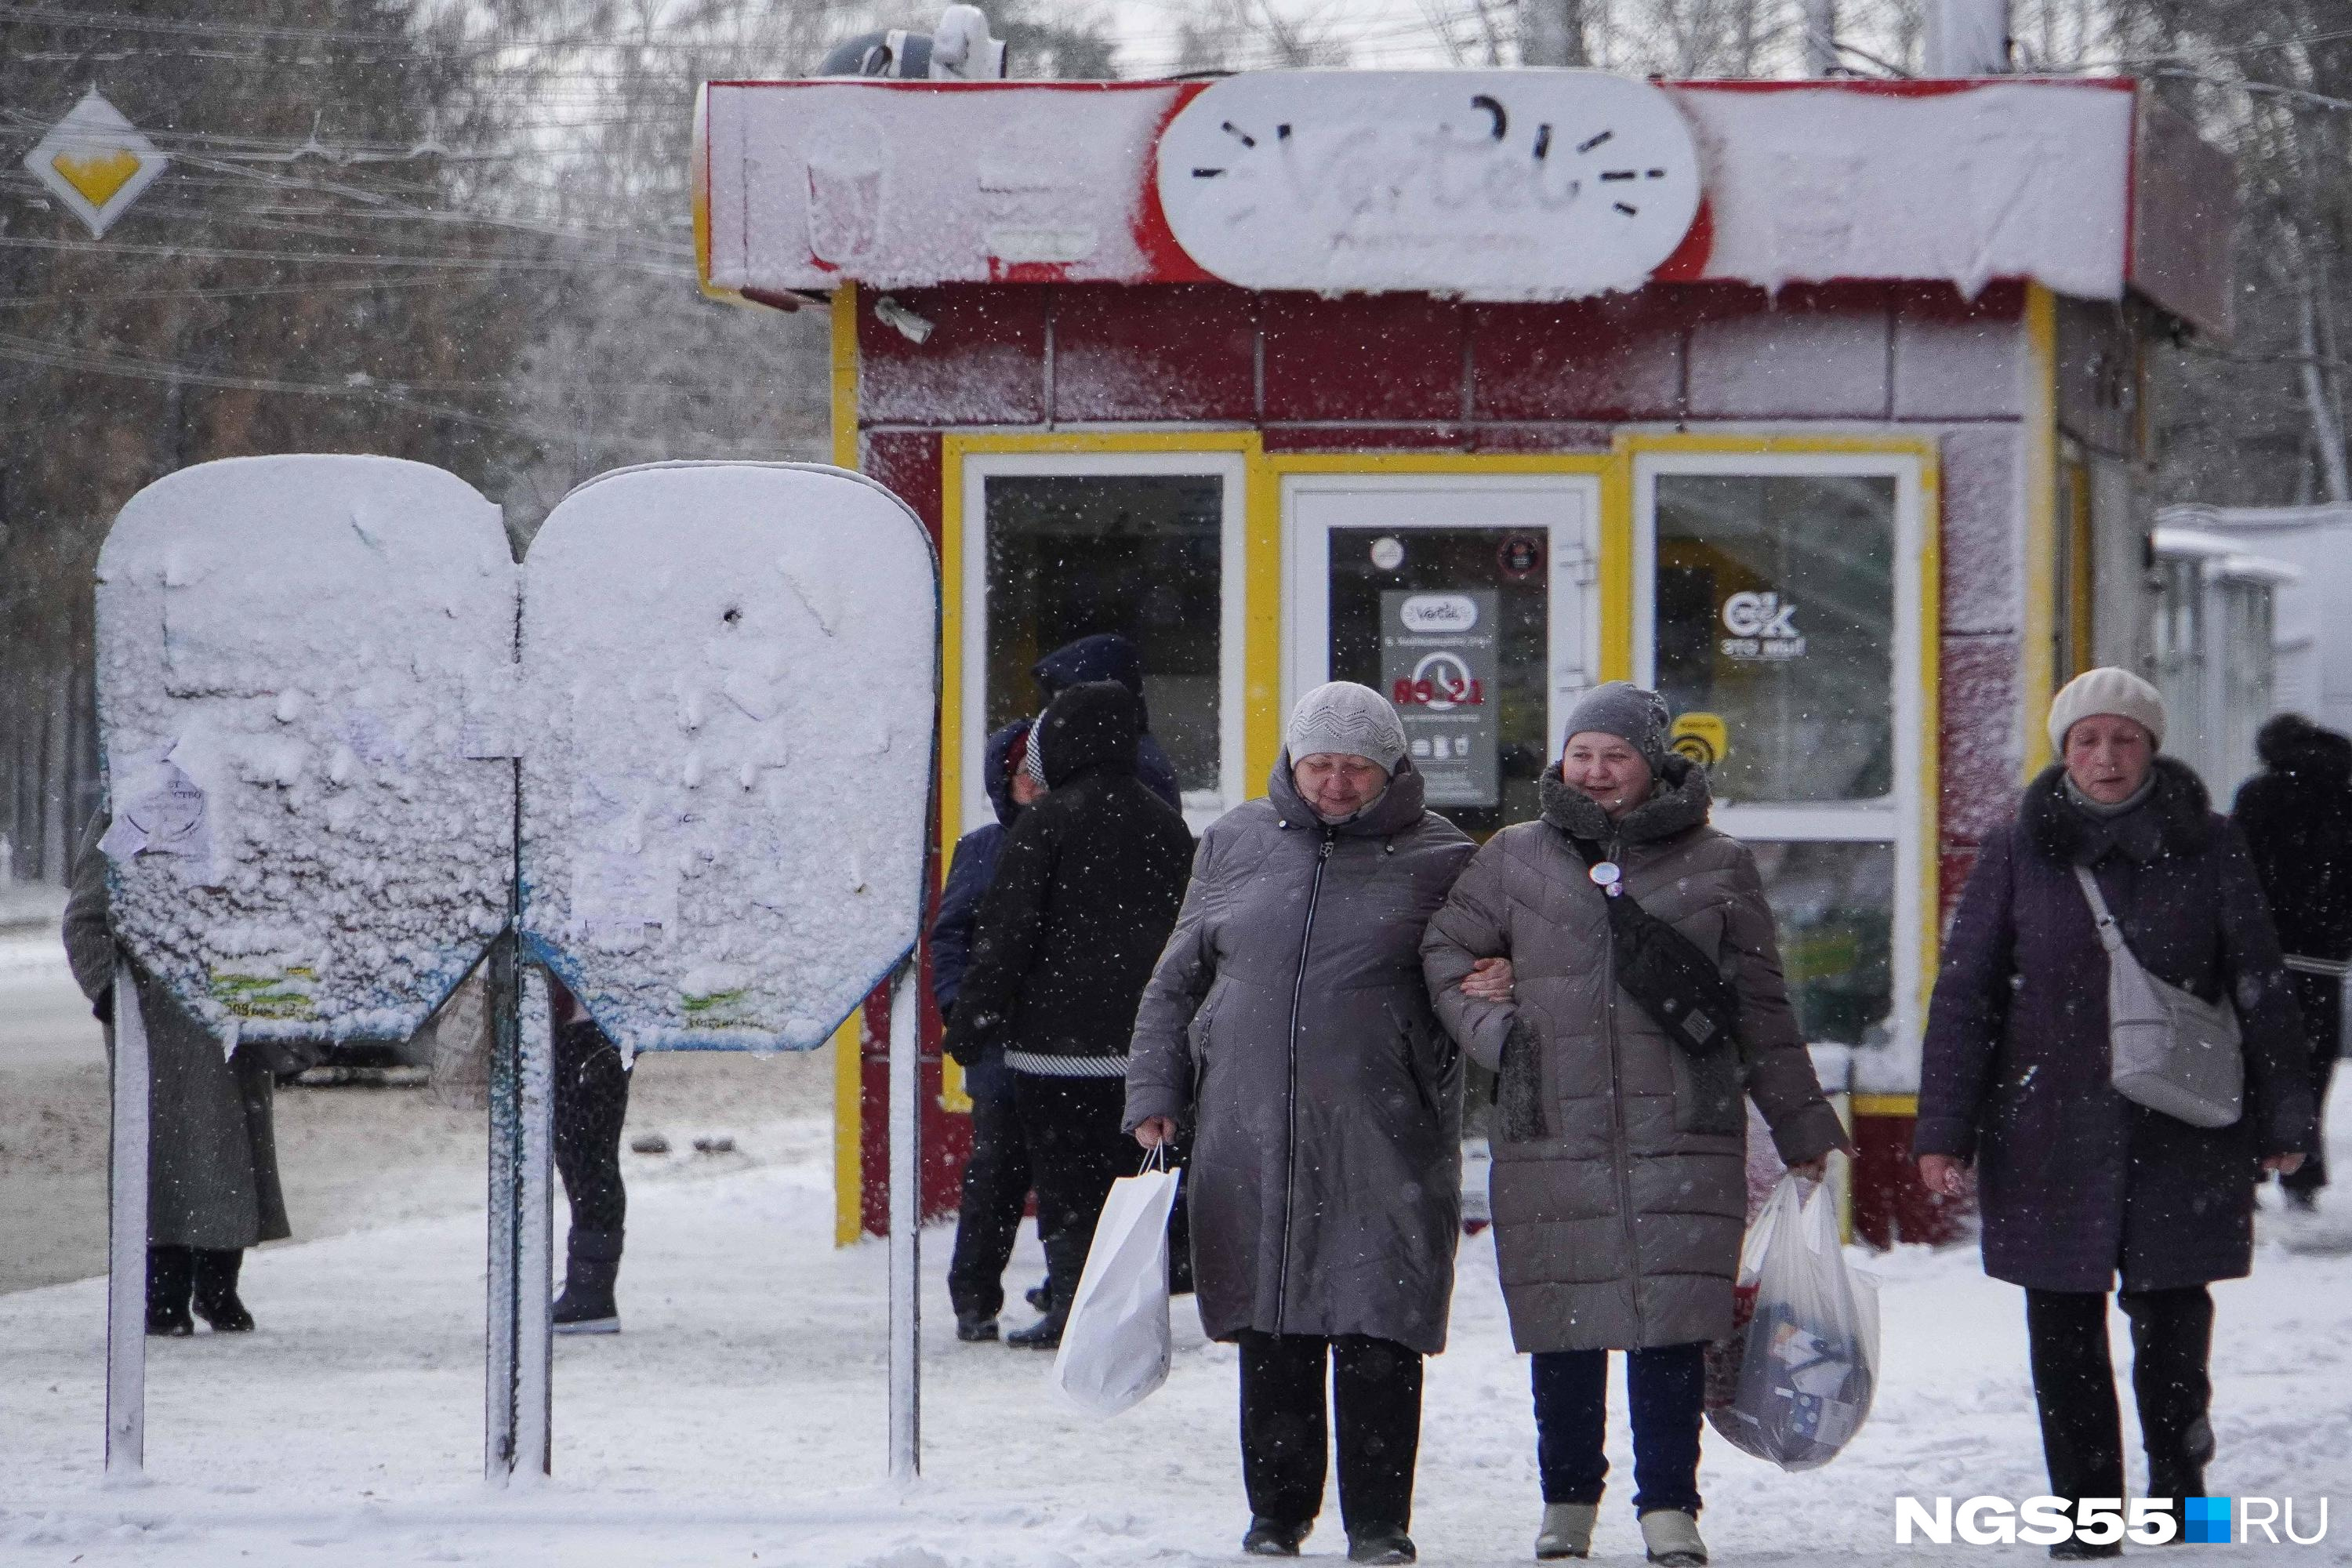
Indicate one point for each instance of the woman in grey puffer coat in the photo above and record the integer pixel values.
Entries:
(1619, 1183)
(1288, 1024)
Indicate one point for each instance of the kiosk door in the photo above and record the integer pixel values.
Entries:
(1469, 602)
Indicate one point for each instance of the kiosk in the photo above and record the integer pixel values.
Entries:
(1818, 405)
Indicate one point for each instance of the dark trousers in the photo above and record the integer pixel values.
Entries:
(2074, 1385)
(1075, 1152)
(995, 1192)
(2322, 1000)
(1666, 1387)
(592, 1101)
(1375, 1394)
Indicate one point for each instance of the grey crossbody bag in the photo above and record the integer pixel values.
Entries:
(2174, 1052)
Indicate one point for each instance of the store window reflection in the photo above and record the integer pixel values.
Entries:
(1833, 903)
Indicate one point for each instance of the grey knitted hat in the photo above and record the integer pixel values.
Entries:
(2107, 691)
(1341, 716)
(1634, 715)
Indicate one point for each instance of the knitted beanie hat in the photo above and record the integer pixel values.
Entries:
(2107, 691)
(1343, 717)
(1634, 715)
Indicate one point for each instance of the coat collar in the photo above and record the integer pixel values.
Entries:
(2175, 819)
(1678, 802)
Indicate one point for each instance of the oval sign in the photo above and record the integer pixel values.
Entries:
(1520, 184)
(1439, 613)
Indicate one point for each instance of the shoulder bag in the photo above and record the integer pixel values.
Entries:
(2174, 1052)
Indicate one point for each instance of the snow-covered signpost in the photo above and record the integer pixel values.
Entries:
(300, 847)
(691, 778)
(730, 694)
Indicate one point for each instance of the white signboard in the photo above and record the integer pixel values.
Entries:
(1522, 184)
(731, 682)
(288, 649)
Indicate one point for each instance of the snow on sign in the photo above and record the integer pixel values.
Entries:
(1489, 184)
(288, 647)
(730, 679)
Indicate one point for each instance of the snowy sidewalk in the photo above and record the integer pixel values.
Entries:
(741, 1418)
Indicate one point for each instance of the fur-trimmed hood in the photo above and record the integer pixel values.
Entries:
(1679, 801)
(2177, 818)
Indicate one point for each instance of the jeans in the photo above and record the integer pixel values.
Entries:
(2074, 1387)
(1376, 1394)
(995, 1191)
(1668, 1385)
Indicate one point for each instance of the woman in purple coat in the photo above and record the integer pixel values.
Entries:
(2075, 1183)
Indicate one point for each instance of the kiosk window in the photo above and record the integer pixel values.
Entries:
(1071, 555)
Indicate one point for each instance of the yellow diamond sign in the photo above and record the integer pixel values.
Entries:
(96, 162)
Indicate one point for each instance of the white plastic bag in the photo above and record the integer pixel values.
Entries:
(1115, 1347)
(1807, 1361)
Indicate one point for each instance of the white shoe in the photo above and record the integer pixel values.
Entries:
(1567, 1530)
(1672, 1537)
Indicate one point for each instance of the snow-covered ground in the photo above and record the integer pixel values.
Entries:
(741, 1418)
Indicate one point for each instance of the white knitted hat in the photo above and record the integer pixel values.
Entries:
(1343, 717)
(2107, 691)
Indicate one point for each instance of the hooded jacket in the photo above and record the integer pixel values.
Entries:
(1288, 1025)
(2074, 1181)
(1620, 1182)
(971, 870)
(1107, 656)
(1086, 888)
(2296, 816)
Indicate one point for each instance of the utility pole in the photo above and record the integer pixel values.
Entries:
(1821, 36)
(1551, 32)
(1967, 38)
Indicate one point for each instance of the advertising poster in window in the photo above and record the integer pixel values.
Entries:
(1437, 665)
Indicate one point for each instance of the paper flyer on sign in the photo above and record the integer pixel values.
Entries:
(165, 816)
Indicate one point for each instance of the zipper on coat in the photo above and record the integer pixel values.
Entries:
(1290, 1087)
(1621, 1151)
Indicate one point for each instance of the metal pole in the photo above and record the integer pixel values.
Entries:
(500, 1348)
(1821, 36)
(535, 1231)
(905, 1226)
(126, 1279)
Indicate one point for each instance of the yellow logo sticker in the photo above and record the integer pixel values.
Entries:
(1704, 738)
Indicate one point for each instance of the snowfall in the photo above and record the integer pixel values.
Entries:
(741, 1418)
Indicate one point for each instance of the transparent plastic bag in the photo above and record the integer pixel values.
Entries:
(1115, 1347)
(1801, 1371)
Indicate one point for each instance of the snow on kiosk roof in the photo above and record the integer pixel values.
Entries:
(1502, 185)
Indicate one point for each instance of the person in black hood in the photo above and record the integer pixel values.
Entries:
(996, 1187)
(1086, 892)
(1107, 656)
(2296, 816)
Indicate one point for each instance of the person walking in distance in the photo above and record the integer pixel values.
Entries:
(996, 1187)
(1288, 1025)
(2077, 1184)
(2296, 816)
(1086, 888)
(591, 1101)
(1620, 1188)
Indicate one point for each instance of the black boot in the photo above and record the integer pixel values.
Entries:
(591, 1262)
(1046, 1333)
(215, 1289)
(168, 1273)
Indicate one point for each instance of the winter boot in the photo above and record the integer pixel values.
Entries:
(1275, 1538)
(1045, 1334)
(1381, 1543)
(216, 1303)
(1567, 1530)
(591, 1262)
(2084, 1551)
(169, 1272)
(1040, 1297)
(1672, 1537)
(976, 1328)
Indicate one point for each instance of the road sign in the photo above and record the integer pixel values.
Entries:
(96, 162)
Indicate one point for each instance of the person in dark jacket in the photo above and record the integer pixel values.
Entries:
(1288, 1021)
(1107, 656)
(591, 1103)
(2296, 816)
(1086, 891)
(996, 1187)
(2075, 1183)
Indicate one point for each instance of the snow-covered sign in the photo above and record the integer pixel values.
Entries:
(288, 648)
(730, 691)
(1490, 184)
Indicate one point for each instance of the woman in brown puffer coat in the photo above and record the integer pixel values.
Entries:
(1619, 1185)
